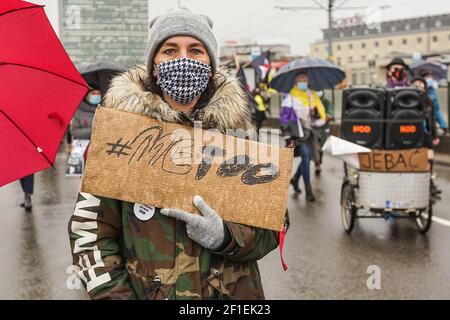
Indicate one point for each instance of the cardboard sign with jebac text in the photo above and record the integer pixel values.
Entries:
(408, 160)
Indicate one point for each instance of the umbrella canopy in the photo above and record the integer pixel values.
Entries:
(322, 74)
(99, 74)
(40, 90)
(438, 69)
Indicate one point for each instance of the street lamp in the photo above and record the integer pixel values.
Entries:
(330, 8)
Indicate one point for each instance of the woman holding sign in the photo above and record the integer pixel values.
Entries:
(130, 251)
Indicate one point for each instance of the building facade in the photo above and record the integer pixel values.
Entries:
(246, 52)
(363, 53)
(108, 30)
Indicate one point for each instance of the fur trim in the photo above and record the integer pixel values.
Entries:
(227, 109)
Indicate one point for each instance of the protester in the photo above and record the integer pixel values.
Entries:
(302, 109)
(397, 73)
(81, 125)
(174, 255)
(432, 139)
(259, 109)
(432, 93)
(27, 184)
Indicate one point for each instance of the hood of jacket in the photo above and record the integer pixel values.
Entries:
(227, 109)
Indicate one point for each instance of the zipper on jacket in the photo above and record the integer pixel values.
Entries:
(155, 287)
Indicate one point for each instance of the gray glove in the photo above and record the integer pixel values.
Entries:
(207, 230)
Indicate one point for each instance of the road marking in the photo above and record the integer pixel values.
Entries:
(441, 221)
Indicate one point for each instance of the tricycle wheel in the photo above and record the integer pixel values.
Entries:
(424, 218)
(348, 208)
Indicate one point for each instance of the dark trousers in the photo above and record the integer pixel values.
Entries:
(27, 184)
(303, 150)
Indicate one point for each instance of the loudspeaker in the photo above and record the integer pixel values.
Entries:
(406, 117)
(363, 111)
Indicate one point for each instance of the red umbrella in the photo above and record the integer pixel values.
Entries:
(40, 89)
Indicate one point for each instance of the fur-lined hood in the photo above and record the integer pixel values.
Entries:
(227, 109)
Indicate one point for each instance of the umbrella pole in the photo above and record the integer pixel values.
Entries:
(39, 150)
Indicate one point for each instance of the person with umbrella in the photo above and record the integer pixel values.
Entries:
(432, 139)
(301, 107)
(397, 73)
(98, 76)
(427, 74)
(168, 253)
(301, 110)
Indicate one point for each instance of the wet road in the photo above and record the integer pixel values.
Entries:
(324, 262)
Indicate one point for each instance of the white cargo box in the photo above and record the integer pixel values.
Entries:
(401, 190)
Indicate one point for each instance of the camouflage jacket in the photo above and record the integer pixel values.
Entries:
(120, 256)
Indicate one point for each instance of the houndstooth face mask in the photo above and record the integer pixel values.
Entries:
(183, 79)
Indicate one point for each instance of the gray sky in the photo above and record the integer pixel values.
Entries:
(51, 9)
(258, 20)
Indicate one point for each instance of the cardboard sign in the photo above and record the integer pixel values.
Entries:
(410, 160)
(139, 159)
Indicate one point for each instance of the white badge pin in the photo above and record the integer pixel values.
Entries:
(142, 212)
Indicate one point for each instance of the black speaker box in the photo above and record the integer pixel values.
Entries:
(406, 117)
(363, 110)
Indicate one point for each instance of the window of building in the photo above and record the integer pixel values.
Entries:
(404, 41)
(422, 25)
(390, 42)
(353, 32)
(362, 74)
(407, 26)
(350, 46)
(435, 38)
(341, 34)
(338, 61)
(363, 45)
(393, 28)
(354, 76)
(363, 58)
(373, 75)
(438, 23)
(375, 44)
(366, 31)
(419, 40)
(350, 59)
(338, 47)
(376, 56)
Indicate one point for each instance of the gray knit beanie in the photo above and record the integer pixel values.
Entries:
(180, 22)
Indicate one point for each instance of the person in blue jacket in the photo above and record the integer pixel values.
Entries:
(432, 93)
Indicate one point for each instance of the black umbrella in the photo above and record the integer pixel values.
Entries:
(99, 75)
(439, 70)
(322, 74)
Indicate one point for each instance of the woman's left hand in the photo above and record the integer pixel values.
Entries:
(207, 230)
